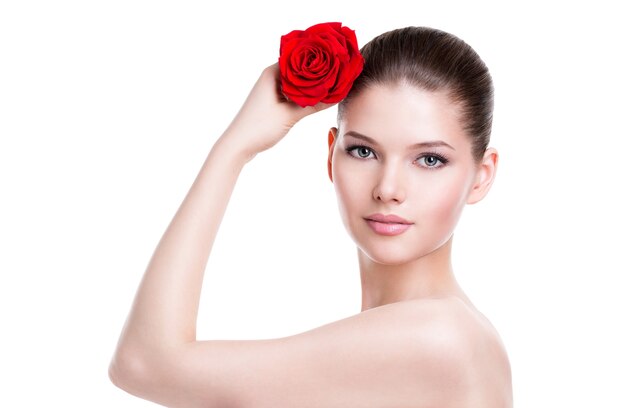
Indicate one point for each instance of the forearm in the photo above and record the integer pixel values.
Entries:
(165, 309)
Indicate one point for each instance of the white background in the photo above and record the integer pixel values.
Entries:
(108, 110)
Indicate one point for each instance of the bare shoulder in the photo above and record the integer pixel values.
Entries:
(477, 352)
(418, 353)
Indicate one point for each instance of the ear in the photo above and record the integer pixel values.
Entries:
(484, 177)
(332, 136)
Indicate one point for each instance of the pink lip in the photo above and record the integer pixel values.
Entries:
(391, 218)
(387, 224)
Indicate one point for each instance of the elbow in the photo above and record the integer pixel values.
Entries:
(137, 372)
(128, 371)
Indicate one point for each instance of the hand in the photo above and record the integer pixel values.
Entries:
(266, 116)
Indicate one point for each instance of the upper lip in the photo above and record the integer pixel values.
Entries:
(389, 219)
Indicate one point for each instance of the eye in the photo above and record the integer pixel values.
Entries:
(432, 161)
(362, 151)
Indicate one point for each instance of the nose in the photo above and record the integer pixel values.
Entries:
(390, 185)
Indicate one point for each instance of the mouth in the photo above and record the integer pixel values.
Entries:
(387, 224)
(388, 219)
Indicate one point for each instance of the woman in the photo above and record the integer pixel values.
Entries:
(409, 151)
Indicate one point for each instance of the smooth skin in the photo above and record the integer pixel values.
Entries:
(421, 345)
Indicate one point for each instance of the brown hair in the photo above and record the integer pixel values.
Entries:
(432, 60)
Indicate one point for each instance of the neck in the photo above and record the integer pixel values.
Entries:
(430, 276)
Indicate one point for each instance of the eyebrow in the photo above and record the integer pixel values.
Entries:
(433, 143)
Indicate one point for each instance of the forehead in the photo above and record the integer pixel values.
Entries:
(403, 114)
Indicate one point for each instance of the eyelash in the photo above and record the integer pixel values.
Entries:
(442, 159)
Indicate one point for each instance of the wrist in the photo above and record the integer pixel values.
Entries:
(232, 150)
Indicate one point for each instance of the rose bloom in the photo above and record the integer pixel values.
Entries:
(319, 64)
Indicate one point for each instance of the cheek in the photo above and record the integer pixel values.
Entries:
(349, 191)
(443, 203)
(354, 191)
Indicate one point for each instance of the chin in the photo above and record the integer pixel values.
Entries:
(391, 253)
(397, 250)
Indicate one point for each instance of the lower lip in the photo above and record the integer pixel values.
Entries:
(383, 228)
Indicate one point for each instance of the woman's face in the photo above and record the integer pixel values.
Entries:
(401, 150)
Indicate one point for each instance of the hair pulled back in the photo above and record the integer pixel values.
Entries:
(432, 60)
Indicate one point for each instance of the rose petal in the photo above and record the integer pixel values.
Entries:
(319, 63)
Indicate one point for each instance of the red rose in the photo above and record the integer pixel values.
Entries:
(319, 64)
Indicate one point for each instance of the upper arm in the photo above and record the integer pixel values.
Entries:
(394, 355)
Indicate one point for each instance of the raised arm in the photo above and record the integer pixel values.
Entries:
(163, 317)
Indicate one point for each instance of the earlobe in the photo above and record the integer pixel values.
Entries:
(484, 177)
(332, 133)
